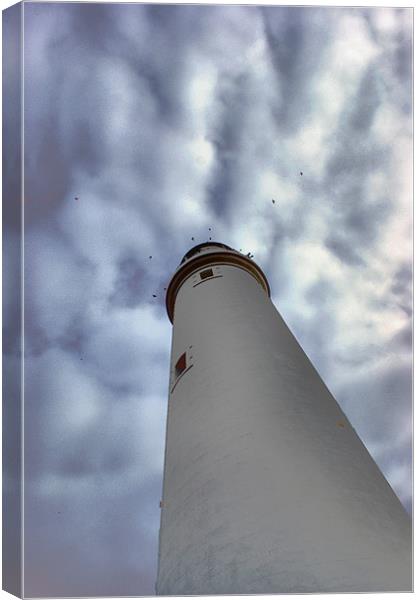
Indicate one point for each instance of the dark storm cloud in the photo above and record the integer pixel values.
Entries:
(164, 121)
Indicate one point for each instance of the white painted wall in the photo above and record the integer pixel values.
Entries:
(264, 490)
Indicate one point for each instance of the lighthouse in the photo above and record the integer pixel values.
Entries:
(267, 487)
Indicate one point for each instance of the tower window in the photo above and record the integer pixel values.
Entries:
(207, 273)
(180, 366)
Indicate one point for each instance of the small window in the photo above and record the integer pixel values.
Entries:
(180, 365)
(206, 274)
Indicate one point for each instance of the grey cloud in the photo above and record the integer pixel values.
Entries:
(373, 401)
(227, 139)
(344, 250)
(376, 402)
(366, 102)
(401, 285)
(174, 33)
(109, 120)
(358, 223)
(398, 457)
(296, 39)
(401, 288)
(402, 277)
(42, 192)
(396, 49)
(403, 60)
(12, 130)
(315, 333)
(403, 339)
(357, 220)
(93, 529)
(321, 293)
(85, 472)
(12, 302)
(399, 294)
(133, 284)
(84, 430)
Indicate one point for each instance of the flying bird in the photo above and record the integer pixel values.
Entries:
(150, 257)
(273, 201)
(154, 296)
(301, 172)
(193, 238)
(76, 198)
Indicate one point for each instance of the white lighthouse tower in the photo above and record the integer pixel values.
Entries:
(267, 487)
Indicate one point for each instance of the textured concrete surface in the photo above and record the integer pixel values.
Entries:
(267, 487)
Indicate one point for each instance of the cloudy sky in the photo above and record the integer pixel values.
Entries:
(145, 126)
